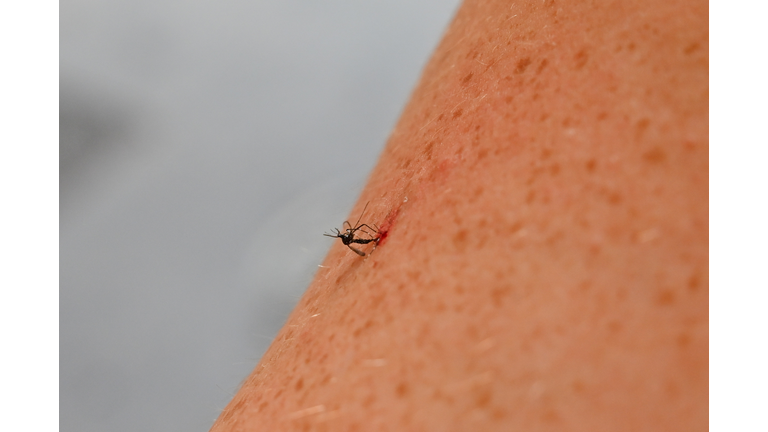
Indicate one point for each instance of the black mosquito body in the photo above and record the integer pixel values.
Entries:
(348, 235)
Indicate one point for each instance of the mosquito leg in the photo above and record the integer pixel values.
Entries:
(361, 215)
(365, 232)
(367, 226)
(357, 251)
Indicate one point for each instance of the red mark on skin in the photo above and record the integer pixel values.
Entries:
(382, 236)
(389, 221)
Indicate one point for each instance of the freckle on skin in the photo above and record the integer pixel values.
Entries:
(581, 59)
(522, 65)
(542, 65)
(655, 156)
(641, 127)
(683, 340)
(665, 298)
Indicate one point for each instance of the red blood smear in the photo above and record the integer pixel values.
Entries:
(387, 225)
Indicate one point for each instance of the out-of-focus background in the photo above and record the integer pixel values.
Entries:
(205, 147)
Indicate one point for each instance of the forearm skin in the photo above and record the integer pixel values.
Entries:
(543, 203)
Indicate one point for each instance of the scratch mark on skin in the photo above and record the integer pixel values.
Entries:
(484, 346)
(536, 391)
(375, 362)
(327, 274)
(456, 44)
(442, 113)
(648, 235)
(307, 412)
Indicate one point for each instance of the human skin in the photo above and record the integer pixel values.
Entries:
(543, 206)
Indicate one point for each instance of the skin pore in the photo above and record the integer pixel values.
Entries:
(543, 207)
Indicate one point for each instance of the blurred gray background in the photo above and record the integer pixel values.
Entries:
(205, 147)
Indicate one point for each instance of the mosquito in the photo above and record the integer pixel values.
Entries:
(348, 235)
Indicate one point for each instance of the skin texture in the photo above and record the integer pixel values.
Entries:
(543, 204)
